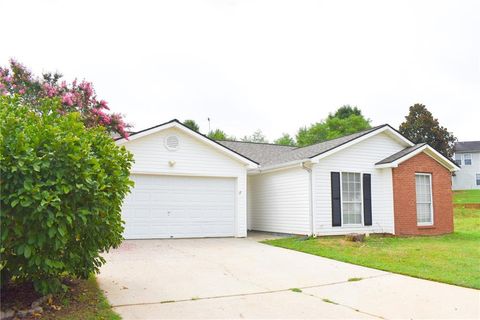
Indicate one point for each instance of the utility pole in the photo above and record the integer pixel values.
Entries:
(208, 124)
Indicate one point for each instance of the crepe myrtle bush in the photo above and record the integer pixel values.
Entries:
(62, 187)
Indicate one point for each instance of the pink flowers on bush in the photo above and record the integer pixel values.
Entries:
(79, 97)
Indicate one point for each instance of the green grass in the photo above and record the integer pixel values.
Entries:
(452, 258)
(466, 196)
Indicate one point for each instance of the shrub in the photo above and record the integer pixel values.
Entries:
(62, 187)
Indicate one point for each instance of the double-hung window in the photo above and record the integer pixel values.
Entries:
(478, 179)
(458, 159)
(423, 183)
(467, 159)
(351, 198)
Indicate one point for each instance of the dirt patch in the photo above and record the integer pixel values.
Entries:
(82, 300)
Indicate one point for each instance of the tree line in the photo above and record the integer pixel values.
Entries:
(419, 126)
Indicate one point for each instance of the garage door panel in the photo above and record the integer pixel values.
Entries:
(178, 207)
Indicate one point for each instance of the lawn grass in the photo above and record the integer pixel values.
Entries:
(452, 258)
(466, 196)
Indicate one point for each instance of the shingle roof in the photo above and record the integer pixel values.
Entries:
(400, 154)
(466, 146)
(271, 154)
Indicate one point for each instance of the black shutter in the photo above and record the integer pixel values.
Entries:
(336, 204)
(367, 199)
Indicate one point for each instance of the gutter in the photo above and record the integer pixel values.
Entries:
(310, 197)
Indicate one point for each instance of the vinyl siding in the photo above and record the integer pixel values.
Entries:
(465, 178)
(279, 201)
(360, 157)
(193, 158)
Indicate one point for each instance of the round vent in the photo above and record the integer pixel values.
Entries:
(172, 143)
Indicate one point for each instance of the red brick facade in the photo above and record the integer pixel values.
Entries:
(405, 211)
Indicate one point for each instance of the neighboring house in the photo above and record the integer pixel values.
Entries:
(467, 157)
(187, 185)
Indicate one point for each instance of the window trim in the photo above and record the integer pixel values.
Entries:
(361, 224)
(424, 224)
(477, 179)
(465, 158)
(459, 155)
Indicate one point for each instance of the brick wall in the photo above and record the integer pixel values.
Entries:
(405, 212)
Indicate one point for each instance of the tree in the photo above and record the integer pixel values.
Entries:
(62, 185)
(346, 111)
(192, 125)
(420, 126)
(346, 120)
(257, 137)
(217, 134)
(285, 140)
(74, 97)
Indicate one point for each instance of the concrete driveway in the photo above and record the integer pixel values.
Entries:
(241, 278)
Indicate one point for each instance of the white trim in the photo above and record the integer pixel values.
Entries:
(429, 151)
(177, 125)
(424, 224)
(278, 167)
(361, 138)
(361, 200)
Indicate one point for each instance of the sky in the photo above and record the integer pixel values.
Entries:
(247, 65)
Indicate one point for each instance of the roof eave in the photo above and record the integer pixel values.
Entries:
(177, 124)
(429, 151)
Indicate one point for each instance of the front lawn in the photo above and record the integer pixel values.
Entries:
(466, 196)
(453, 258)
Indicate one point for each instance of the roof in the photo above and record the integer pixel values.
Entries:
(271, 154)
(177, 124)
(400, 154)
(467, 146)
(395, 159)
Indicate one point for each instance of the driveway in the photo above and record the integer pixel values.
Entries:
(241, 278)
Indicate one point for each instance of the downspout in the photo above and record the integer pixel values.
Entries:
(310, 198)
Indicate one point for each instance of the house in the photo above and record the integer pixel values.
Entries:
(467, 157)
(374, 181)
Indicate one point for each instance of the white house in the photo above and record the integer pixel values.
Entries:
(467, 157)
(187, 185)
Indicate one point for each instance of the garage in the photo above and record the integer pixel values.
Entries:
(179, 207)
(186, 185)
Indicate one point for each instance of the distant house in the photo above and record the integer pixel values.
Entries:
(467, 157)
(374, 181)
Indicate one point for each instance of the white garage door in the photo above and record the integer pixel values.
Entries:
(179, 207)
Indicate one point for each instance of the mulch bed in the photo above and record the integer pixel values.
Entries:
(79, 297)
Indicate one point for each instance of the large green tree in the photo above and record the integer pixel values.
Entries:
(285, 140)
(345, 120)
(420, 126)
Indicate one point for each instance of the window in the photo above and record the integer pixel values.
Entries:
(458, 159)
(467, 159)
(478, 179)
(423, 183)
(351, 198)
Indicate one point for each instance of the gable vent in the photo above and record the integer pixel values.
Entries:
(172, 143)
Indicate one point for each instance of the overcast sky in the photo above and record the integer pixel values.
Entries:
(269, 65)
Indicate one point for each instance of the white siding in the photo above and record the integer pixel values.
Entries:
(193, 158)
(279, 201)
(360, 157)
(465, 178)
